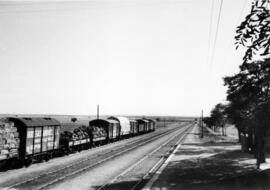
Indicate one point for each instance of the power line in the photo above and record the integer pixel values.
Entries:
(209, 43)
(211, 56)
(216, 34)
(210, 29)
(228, 53)
(80, 5)
(242, 11)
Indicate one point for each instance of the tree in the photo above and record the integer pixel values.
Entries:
(218, 116)
(73, 119)
(241, 95)
(208, 121)
(249, 90)
(262, 125)
(254, 32)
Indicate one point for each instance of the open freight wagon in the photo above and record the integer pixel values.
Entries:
(38, 139)
(104, 130)
(75, 136)
(9, 142)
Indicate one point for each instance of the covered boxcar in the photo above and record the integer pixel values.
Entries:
(104, 130)
(38, 137)
(147, 125)
(124, 124)
(134, 127)
(141, 126)
(151, 124)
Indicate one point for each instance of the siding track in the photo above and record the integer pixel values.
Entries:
(173, 142)
(50, 178)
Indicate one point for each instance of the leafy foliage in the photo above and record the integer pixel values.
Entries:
(208, 121)
(218, 117)
(73, 119)
(249, 90)
(254, 31)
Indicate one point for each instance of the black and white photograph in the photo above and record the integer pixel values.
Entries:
(134, 94)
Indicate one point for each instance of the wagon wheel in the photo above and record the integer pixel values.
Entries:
(28, 162)
(16, 164)
(48, 157)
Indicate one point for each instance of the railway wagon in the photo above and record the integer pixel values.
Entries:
(147, 125)
(141, 126)
(151, 124)
(9, 142)
(38, 138)
(75, 136)
(134, 127)
(124, 124)
(111, 130)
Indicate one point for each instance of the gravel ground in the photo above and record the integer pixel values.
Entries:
(14, 176)
(139, 174)
(213, 162)
(102, 174)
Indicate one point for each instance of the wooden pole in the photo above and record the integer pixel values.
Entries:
(202, 125)
(98, 111)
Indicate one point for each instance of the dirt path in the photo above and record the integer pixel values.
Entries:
(213, 162)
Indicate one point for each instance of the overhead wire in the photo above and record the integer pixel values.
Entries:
(210, 29)
(216, 34)
(211, 55)
(228, 53)
(80, 5)
(208, 58)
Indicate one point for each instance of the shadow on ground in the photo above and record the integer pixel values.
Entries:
(210, 164)
(206, 148)
(220, 171)
(214, 143)
(124, 185)
(213, 162)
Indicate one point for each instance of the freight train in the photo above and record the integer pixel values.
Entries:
(24, 140)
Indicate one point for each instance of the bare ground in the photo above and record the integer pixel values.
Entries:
(214, 162)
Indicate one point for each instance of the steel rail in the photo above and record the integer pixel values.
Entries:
(156, 166)
(150, 137)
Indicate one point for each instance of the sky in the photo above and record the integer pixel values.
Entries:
(132, 57)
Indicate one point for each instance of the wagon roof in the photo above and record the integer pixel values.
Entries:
(34, 121)
(103, 120)
(147, 119)
(141, 121)
(122, 120)
(112, 121)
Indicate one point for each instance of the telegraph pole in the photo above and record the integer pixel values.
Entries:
(98, 111)
(201, 124)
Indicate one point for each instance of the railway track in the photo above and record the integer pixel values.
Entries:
(45, 180)
(173, 142)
